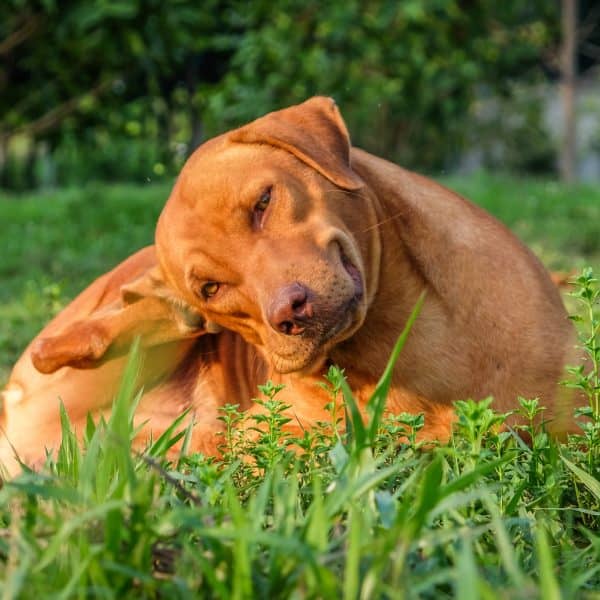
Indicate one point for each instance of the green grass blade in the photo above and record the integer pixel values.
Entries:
(590, 482)
(376, 404)
(506, 550)
(119, 423)
(68, 590)
(355, 423)
(429, 494)
(549, 587)
(352, 566)
(317, 524)
(466, 573)
(476, 474)
(356, 488)
(64, 534)
(41, 487)
(241, 567)
(169, 437)
(69, 453)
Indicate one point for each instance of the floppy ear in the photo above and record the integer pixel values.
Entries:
(142, 307)
(314, 132)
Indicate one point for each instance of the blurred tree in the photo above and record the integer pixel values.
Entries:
(75, 65)
(568, 84)
(405, 73)
(88, 78)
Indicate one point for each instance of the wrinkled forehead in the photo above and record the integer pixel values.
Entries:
(216, 176)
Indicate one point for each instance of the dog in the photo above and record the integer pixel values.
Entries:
(282, 249)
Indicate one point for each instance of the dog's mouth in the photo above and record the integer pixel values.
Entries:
(355, 275)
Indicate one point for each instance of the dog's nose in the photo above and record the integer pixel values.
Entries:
(291, 309)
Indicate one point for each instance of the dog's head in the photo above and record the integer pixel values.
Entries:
(268, 233)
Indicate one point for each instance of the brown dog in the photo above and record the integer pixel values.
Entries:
(306, 251)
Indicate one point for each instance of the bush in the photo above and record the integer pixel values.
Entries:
(154, 81)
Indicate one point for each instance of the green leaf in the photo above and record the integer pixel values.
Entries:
(590, 482)
(355, 423)
(428, 496)
(170, 436)
(466, 573)
(474, 475)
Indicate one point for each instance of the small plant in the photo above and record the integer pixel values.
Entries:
(271, 438)
(587, 293)
(333, 386)
(232, 417)
(586, 377)
(402, 428)
(476, 422)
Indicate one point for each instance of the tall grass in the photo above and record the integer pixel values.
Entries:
(363, 513)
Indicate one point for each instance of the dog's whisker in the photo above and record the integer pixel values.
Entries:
(358, 194)
(381, 223)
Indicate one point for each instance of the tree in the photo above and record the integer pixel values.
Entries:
(405, 73)
(76, 64)
(568, 85)
(88, 78)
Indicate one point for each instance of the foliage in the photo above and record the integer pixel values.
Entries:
(405, 73)
(365, 513)
(586, 377)
(510, 131)
(85, 76)
(126, 89)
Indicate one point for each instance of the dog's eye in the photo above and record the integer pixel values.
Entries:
(209, 289)
(263, 201)
(260, 207)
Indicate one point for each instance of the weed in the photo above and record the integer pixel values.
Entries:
(586, 377)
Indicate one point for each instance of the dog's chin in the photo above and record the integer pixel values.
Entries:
(308, 352)
(307, 365)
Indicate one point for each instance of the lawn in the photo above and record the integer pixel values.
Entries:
(354, 516)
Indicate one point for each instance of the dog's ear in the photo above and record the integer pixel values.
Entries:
(314, 132)
(144, 307)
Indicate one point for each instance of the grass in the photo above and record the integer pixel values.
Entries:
(354, 516)
(55, 243)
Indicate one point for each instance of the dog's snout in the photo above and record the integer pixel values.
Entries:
(291, 309)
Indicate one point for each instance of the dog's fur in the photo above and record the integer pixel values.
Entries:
(320, 251)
